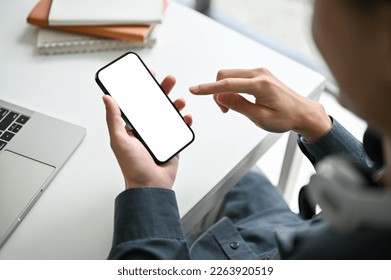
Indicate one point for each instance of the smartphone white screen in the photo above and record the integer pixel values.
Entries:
(149, 111)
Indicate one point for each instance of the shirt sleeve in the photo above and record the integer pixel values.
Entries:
(147, 225)
(337, 141)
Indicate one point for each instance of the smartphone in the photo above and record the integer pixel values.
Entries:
(145, 107)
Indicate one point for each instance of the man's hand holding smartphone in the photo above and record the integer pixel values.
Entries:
(147, 153)
(138, 167)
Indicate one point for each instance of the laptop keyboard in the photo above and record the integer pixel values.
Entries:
(11, 123)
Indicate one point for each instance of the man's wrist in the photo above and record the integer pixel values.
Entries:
(314, 122)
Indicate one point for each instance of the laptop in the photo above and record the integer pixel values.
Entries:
(33, 148)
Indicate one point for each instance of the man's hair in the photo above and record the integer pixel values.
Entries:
(369, 6)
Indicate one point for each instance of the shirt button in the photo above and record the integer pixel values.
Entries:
(234, 245)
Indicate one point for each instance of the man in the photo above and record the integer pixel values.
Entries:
(354, 37)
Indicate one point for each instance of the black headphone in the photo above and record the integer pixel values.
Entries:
(346, 192)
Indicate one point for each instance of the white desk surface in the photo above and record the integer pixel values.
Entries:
(74, 217)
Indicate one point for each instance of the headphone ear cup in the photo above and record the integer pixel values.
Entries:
(335, 187)
(347, 197)
(335, 173)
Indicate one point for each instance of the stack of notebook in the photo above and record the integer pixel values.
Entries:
(67, 26)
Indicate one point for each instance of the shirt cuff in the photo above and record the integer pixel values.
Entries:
(146, 213)
(337, 141)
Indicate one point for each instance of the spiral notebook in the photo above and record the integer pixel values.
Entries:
(59, 42)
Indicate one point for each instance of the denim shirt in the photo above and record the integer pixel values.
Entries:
(147, 223)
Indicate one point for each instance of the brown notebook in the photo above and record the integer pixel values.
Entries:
(136, 33)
